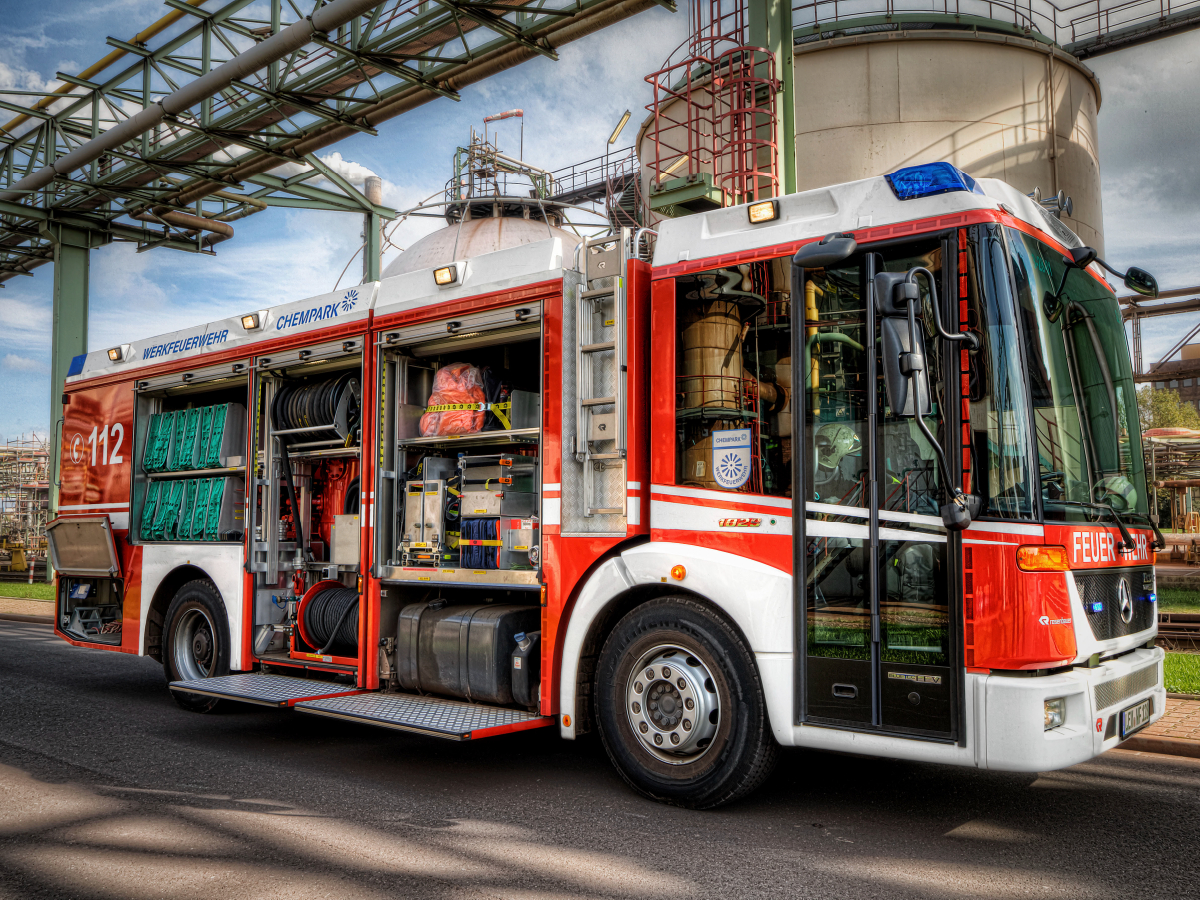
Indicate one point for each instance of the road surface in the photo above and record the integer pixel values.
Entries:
(108, 789)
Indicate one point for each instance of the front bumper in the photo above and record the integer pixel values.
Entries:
(1014, 737)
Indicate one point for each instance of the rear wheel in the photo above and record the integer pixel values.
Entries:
(196, 643)
(680, 706)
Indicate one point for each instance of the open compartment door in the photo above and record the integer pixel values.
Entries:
(83, 547)
(90, 593)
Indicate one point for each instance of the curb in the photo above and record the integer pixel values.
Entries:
(33, 620)
(1164, 745)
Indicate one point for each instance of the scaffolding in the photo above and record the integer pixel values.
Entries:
(24, 501)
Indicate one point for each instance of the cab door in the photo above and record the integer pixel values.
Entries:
(873, 560)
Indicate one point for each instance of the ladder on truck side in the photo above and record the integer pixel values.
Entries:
(600, 365)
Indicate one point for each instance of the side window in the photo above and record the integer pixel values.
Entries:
(733, 365)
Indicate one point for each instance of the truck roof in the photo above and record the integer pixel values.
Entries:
(848, 207)
(486, 273)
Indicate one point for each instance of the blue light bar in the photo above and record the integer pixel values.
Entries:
(1097, 607)
(930, 179)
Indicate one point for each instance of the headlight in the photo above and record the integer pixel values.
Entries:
(1056, 712)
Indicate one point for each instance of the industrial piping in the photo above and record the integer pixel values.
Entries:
(555, 34)
(220, 231)
(273, 48)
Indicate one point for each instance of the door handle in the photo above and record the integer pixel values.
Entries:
(845, 691)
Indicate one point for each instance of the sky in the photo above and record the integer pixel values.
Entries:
(1149, 121)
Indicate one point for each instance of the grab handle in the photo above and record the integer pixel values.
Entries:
(845, 691)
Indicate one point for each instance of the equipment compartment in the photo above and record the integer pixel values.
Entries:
(190, 458)
(90, 609)
(460, 448)
(306, 537)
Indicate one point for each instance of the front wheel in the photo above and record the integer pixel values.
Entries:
(680, 706)
(196, 641)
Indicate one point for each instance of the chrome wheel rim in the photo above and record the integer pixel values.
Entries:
(672, 704)
(195, 645)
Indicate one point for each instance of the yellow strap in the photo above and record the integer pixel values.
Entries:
(474, 407)
(496, 407)
(480, 543)
(456, 407)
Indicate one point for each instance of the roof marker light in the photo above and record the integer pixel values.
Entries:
(115, 354)
(445, 275)
(763, 211)
(250, 322)
(930, 179)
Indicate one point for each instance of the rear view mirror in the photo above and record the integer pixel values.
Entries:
(1137, 280)
(1141, 282)
(905, 376)
(1081, 257)
(903, 360)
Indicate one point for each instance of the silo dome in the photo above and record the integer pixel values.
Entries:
(474, 238)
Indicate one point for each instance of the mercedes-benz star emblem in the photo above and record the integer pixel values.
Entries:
(1124, 601)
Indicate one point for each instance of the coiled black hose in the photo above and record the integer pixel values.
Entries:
(304, 405)
(328, 620)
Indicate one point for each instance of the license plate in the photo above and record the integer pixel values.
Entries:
(1135, 718)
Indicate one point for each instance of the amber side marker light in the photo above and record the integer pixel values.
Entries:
(1042, 558)
(763, 211)
(678, 573)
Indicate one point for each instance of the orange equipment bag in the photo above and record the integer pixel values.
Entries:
(456, 404)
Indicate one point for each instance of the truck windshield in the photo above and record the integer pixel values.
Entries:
(1089, 450)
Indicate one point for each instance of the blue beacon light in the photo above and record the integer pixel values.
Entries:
(930, 179)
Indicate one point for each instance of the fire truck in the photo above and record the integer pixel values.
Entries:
(855, 469)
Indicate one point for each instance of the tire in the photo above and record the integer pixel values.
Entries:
(713, 751)
(196, 641)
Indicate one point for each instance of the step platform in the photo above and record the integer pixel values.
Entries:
(265, 690)
(432, 716)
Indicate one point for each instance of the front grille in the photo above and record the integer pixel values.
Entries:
(1110, 693)
(1100, 592)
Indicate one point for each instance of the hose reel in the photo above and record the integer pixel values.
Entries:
(332, 404)
(328, 618)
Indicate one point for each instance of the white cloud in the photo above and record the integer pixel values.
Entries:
(23, 363)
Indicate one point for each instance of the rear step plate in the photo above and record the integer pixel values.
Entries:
(265, 690)
(431, 716)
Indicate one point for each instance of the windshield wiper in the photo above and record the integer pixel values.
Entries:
(1126, 537)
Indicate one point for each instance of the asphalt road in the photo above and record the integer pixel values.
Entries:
(108, 790)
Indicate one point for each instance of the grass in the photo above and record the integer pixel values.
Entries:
(1181, 671)
(21, 590)
(1178, 600)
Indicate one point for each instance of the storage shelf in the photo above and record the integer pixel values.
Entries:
(331, 453)
(503, 578)
(196, 473)
(704, 413)
(513, 436)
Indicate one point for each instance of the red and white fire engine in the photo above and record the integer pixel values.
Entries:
(855, 469)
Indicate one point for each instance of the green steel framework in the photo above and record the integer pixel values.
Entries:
(179, 182)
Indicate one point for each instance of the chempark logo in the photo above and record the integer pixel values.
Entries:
(318, 313)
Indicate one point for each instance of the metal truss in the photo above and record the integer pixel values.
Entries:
(178, 182)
